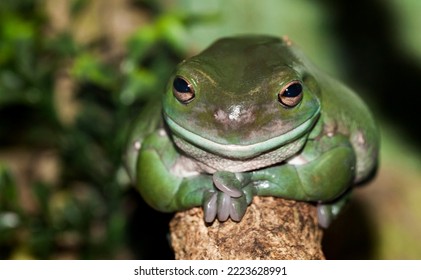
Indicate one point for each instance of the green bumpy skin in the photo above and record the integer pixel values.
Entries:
(249, 116)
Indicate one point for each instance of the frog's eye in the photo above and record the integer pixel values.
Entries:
(291, 94)
(182, 90)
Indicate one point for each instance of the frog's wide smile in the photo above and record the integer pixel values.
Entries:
(241, 151)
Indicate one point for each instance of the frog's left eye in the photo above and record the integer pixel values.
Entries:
(291, 94)
(182, 90)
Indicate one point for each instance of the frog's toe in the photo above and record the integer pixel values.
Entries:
(227, 182)
(224, 205)
(210, 207)
(324, 215)
(329, 211)
(238, 208)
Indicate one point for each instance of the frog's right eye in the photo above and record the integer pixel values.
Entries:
(182, 90)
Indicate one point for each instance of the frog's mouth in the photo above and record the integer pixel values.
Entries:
(241, 151)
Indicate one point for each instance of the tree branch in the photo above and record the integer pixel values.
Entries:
(272, 228)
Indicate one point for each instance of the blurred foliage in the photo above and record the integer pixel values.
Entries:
(71, 83)
(83, 213)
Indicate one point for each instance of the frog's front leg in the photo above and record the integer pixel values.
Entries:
(322, 172)
(168, 182)
(165, 180)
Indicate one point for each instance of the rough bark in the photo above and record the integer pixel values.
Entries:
(272, 228)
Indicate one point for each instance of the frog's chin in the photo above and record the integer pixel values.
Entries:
(241, 151)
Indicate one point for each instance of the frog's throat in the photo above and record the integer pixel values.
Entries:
(242, 151)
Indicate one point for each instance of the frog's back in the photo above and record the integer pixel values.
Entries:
(344, 112)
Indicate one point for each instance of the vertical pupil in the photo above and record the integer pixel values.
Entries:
(181, 85)
(293, 90)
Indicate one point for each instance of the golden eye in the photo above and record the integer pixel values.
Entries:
(182, 90)
(291, 94)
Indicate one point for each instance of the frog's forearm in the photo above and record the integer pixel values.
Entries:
(322, 179)
(191, 192)
(148, 121)
(159, 187)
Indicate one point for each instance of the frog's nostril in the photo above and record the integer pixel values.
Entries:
(234, 115)
(221, 116)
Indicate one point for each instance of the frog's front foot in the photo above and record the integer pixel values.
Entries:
(328, 212)
(325, 215)
(229, 199)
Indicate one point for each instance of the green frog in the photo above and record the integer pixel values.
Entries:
(252, 116)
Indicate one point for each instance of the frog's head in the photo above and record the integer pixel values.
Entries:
(241, 97)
